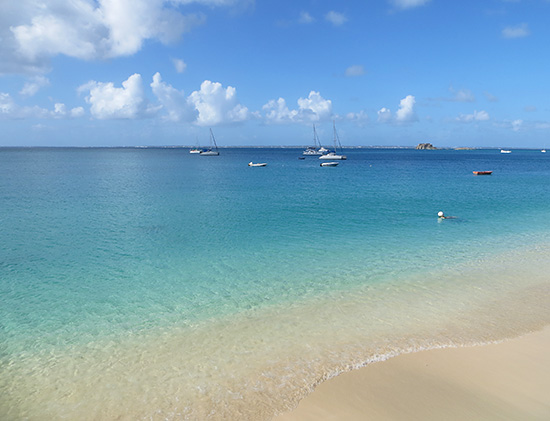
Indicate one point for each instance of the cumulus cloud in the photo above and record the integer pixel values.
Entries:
(216, 105)
(355, 70)
(12, 111)
(518, 31)
(180, 65)
(406, 113)
(475, 116)
(408, 4)
(336, 18)
(384, 115)
(32, 86)
(174, 102)
(77, 112)
(109, 102)
(310, 109)
(32, 32)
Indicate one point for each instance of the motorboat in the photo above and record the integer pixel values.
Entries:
(261, 164)
(505, 151)
(329, 164)
(195, 150)
(483, 172)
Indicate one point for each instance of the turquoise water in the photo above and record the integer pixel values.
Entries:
(104, 250)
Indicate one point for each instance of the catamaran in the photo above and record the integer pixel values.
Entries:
(337, 145)
(210, 151)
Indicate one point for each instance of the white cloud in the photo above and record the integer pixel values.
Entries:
(464, 95)
(77, 112)
(384, 115)
(516, 125)
(6, 104)
(406, 113)
(10, 110)
(476, 116)
(108, 102)
(310, 109)
(172, 101)
(180, 65)
(217, 105)
(355, 70)
(32, 32)
(60, 110)
(336, 18)
(278, 112)
(518, 31)
(315, 106)
(360, 118)
(305, 17)
(32, 86)
(408, 4)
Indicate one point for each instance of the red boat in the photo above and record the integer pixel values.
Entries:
(483, 172)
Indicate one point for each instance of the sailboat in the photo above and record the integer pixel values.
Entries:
(313, 150)
(196, 149)
(210, 151)
(333, 155)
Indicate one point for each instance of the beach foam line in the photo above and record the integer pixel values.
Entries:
(506, 380)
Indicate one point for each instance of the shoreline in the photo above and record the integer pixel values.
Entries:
(504, 380)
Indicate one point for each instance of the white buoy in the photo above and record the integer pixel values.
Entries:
(440, 214)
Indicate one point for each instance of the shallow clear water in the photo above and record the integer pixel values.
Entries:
(153, 283)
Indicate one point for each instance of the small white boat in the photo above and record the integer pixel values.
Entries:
(211, 151)
(543, 151)
(333, 155)
(329, 164)
(195, 150)
(505, 151)
(260, 164)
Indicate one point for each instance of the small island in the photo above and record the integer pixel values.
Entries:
(425, 146)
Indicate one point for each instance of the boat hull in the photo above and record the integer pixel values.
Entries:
(482, 172)
(333, 157)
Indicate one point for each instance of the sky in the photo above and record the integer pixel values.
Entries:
(455, 73)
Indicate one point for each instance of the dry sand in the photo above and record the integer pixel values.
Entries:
(505, 381)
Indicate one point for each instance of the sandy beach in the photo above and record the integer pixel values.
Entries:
(509, 380)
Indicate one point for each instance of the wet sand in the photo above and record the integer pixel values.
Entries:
(507, 380)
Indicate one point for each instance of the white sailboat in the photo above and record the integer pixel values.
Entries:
(211, 151)
(316, 149)
(337, 145)
(196, 149)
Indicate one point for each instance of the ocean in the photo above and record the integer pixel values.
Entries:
(150, 283)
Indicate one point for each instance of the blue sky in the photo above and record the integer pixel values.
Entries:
(389, 72)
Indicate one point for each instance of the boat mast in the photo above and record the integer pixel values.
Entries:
(336, 138)
(315, 138)
(213, 140)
